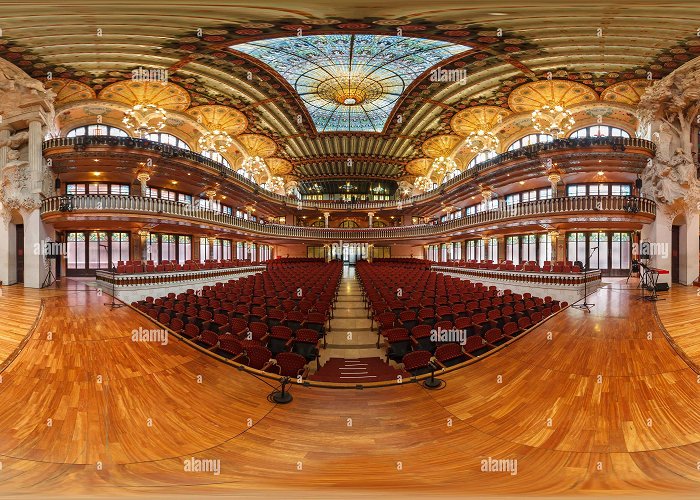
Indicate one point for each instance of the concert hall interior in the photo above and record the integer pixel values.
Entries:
(348, 250)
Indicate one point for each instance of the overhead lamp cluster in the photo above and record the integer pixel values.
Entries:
(143, 119)
(482, 141)
(215, 141)
(553, 119)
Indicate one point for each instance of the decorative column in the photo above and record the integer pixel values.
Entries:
(487, 249)
(501, 240)
(325, 218)
(212, 242)
(370, 252)
(371, 217)
(327, 252)
(554, 237)
(554, 177)
(143, 178)
(8, 259)
(145, 243)
(560, 248)
(36, 158)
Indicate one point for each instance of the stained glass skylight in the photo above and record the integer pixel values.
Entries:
(350, 82)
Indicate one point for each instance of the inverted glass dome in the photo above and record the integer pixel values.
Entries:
(350, 82)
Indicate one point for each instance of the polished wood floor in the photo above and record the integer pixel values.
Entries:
(586, 404)
(680, 315)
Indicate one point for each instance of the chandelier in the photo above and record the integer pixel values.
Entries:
(482, 142)
(553, 119)
(254, 165)
(316, 188)
(347, 187)
(216, 141)
(423, 183)
(144, 119)
(275, 184)
(442, 166)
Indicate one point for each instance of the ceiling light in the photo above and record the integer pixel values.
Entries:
(442, 166)
(482, 141)
(254, 165)
(216, 141)
(553, 119)
(144, 119)
(97, 173)
(423, 183)
(522, 182)
(601, 172)
(96, 160)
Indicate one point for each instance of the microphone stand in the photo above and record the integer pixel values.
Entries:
(114, 304)
(585, 306)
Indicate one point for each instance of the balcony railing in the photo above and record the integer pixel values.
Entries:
(528, 152)
(583, 206)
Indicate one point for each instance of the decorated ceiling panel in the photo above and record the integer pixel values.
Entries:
(350, 82)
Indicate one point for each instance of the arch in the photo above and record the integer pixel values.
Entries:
(98, 129)
(349, 223)
(599, 130)
(166, 138)
(529, 139)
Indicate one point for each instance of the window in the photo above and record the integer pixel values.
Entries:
(528, 196)
(621, 189)
(545, 194)
(621, 249)
(598, 131)
(512, 199)
(493, 249)
(598, 189)
(529, 248)
(76, 189)
(457, 250)
(184, 244)
(97, 188)
(240, 251)
(530, 139)
(120, 247)
(107, 130)
(513, 249)
(98, 246)
(216, 157)
(315, 252)
(545, 249)
(444, 255)
(576, 247)
(170, 139)
(599, 259)
(480, 158)
(76, 250)
(447, 177)
(349, 223)
(184, 198)
(576, 190)
(152, 248)
(119, 189)
(226, 249)
(167, 247)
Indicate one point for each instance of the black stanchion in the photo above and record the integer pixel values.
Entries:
(282, 397)
(114, 304)
(432, 382)
(585, 306)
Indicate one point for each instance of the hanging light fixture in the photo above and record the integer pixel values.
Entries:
(216, 141)
(482, 142)
(254, 165)
(144, 119)
(274, 184)
(553, 119)
(443, 165)
(423, 183)
(347, 187)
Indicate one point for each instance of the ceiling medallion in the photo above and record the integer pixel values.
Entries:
(216, 141)
(144, 119)
(482, 142)
(553, 119)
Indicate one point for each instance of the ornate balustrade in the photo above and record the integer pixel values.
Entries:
(616, 144)
(612, 207)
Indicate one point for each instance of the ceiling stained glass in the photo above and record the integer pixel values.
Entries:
(350, 82)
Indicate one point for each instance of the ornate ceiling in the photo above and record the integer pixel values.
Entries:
(87, 50)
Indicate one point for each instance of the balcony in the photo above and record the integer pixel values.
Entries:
(579, 209)
(526, 154)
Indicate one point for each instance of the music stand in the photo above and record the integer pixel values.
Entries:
(114, 304)
(585, 306)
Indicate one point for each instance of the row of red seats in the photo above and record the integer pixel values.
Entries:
(137, 266)
(529, 266)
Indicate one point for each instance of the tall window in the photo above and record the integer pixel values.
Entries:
(598, 131)
(98, 250)
(530, 139)
(120, 247)
(529, 248)
(513, 249)
(599, 260)
(226, 249)
(170, 139)
(621, 250)
(493, 249)
(167, 247)
(576, 247)
(545, 250)
(184, 244)
(107, 130)
(457, 250)
(216, 157)
(152, 250)
(76, 250)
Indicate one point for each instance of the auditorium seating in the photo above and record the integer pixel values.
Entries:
(527, 266)
(165, 266)
(411, 310)
(255, 319)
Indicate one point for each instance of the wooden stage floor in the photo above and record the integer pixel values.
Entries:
(586, 403)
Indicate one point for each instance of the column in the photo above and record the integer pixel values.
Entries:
(7, 230)
(561, 247)
(370, 252)
(554, 236)
(325, 218)
(36, 158)
(371, 217)
(144, 244)
(35, 235)
(501, 245)
(212, 242)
